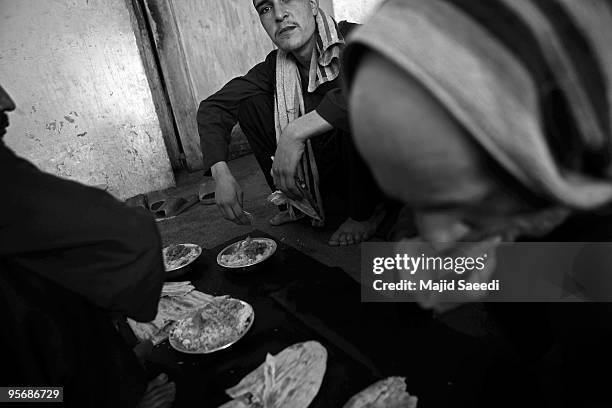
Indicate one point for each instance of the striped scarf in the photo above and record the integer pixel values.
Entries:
(289, 104)
(325, 64)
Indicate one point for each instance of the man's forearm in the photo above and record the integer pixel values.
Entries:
(310, 125)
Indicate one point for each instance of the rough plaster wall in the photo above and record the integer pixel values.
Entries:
(85, 110)
(356, 11)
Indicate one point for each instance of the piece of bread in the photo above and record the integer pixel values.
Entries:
(387, 393)
(292, 378)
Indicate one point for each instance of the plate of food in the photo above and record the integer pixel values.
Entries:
(214, 327)
(178, 256)
(247, 252)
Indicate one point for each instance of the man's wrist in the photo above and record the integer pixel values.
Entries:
(294, 133)
(303, 128)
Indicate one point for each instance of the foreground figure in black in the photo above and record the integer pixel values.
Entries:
(71, 258)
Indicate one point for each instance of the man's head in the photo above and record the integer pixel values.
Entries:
(290, 24)
(6, 105)
(422, 156)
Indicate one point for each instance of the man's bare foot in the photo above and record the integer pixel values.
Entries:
(285, 217)
(159, 393)
(353, 232)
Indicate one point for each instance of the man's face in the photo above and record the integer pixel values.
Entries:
(6, 105)
(289, 23)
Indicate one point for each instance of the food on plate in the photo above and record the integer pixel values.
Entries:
(292, 378)
(247, 252)
(217, 324)
(176, 252)
(387, 393)
(178, 255)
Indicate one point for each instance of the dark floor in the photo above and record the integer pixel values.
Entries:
(204, 225)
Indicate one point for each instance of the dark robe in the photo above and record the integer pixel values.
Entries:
(71, 258)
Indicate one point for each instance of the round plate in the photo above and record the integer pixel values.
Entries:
(177, 346)
(272, 249)
(194, 252)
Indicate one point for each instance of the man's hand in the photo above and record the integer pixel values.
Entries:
(291, 147)
(228, 194)
(286, 159)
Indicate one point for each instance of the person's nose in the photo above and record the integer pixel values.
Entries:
(280, 13)
(6, 103)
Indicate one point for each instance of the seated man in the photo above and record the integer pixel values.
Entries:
(293, 114)
(496, 128)
(71, 257)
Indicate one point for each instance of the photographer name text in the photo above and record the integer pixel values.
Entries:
(431, 285)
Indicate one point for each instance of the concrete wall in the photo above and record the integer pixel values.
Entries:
(85, 110)
(356, 11)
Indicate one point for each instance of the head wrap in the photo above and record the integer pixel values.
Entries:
(529, 80)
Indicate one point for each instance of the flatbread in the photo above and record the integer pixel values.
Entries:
(170, 309)
(292, 378)
(387, 393)
(269, 380)
(173, 289)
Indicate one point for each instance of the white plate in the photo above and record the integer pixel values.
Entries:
(178, 347)
(194, 252)
(271, 250)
